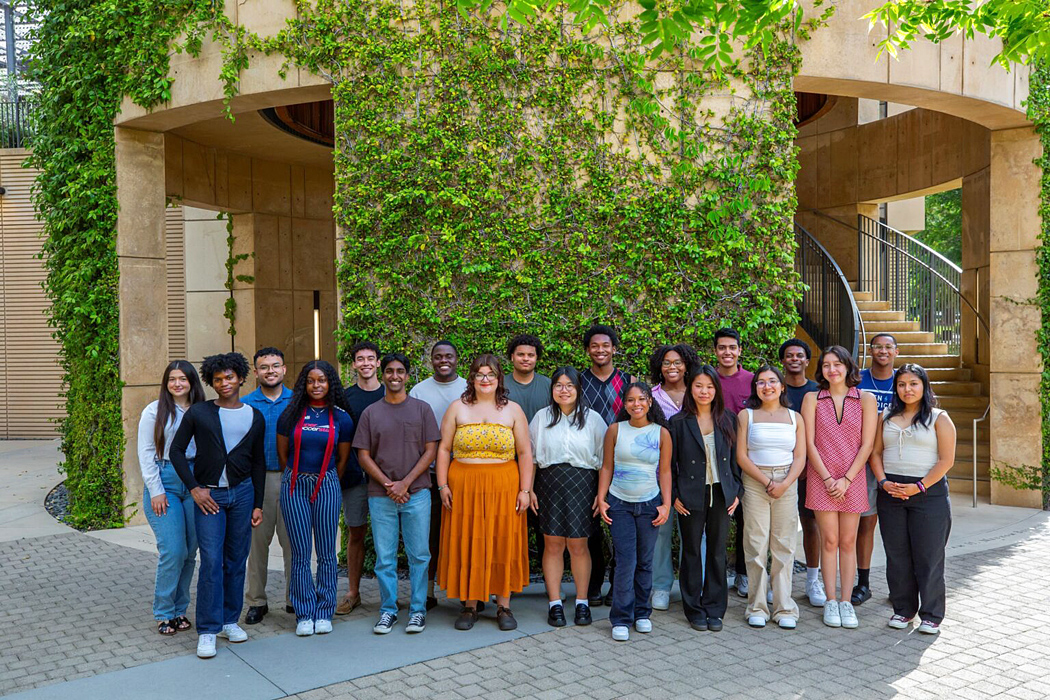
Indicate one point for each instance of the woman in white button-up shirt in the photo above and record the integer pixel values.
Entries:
(166, 500)
(567, 441)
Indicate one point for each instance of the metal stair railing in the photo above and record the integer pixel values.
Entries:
(827, 311)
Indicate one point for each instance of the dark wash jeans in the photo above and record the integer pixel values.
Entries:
(634, 539)
(224, 540)
(915, 533)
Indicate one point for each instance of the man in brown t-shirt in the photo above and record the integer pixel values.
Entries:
(396, 440)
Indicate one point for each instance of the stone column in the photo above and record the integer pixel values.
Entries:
(142, 289)
(975, 264)
(1016, 367)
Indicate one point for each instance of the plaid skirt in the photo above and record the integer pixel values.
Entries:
(566, 495)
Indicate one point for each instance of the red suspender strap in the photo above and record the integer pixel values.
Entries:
(327, 453)
(297, 438)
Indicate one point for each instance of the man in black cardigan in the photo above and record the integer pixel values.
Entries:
(227, 481)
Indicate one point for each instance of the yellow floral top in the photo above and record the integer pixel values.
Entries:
(484, 441)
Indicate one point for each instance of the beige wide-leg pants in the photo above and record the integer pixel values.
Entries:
(770, 528)
(259, 555)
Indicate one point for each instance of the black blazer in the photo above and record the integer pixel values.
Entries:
(689, 462)
(245, 461)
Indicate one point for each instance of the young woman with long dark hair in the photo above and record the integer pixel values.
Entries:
(484, 475)
(634, 498)
(840, 431)
(771, 451)
(914, 449)
(567, 439)
(166, 500)
(314, 435)
(705, 486)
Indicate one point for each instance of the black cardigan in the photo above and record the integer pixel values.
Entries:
(689, 463)
(246, 461)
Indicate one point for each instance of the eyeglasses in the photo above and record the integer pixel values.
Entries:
(564, 387)
(673, 363)
(485, 377)
(769, 382)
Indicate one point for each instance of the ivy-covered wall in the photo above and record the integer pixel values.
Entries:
(494, 180)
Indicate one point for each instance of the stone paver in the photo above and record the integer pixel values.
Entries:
(993, 644)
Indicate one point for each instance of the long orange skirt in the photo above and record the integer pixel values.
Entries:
(484, 550)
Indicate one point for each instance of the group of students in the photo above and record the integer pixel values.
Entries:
(459, 467)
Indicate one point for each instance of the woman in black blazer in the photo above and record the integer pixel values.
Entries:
(704, 498)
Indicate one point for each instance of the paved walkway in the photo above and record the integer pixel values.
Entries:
(75, 623)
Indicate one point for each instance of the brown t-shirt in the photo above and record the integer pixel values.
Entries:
(396, 435)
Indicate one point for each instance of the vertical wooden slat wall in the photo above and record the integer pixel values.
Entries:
(175, 247)
(30, 375)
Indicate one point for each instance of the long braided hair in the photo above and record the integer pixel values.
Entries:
(336, 396)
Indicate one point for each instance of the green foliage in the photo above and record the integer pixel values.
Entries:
(87, 56)
(230, 310)
(499, 179)
(1022, 25)
(943, 230)
(1038, 107)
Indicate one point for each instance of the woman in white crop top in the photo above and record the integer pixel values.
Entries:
(771, 451)
(914, 449)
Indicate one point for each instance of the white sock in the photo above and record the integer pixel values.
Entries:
(552, 603)
(583, 602)
(812, 572)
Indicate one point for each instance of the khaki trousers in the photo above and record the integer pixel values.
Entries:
(259, 555)
(770, 528)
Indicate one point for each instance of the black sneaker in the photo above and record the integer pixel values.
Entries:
(595, 601)
(699, 624)
(556, 616)
(607, 600)
(714, 624)
(417, 622)
(583, 615)
(860, 594)
(386, 623)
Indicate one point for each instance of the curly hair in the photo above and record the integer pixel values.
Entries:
(525, 339)
(655, 414)
(335, 397)
(487, 359)
(213, 364)
(601, 329)
(656, 361)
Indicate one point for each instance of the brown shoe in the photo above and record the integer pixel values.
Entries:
(347, 605)
(467, 618)
(505, 619)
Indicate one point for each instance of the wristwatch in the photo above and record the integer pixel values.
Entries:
(882, 481)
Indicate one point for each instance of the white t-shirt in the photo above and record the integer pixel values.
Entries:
(235, 422)
(439, 395)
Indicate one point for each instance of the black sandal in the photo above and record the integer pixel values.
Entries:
(182, 623)
(166, 628)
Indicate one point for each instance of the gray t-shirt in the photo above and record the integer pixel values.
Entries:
(532, 396)
(235, 422)
(396, 436)
(439, 395)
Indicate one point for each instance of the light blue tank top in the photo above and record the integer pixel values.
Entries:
(636, 463)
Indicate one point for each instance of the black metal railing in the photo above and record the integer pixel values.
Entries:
(15, 125)
(914, 279)
(827, 311)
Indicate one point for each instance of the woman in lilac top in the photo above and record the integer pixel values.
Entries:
(669, 365)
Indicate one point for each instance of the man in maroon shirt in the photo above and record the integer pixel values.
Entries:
(736, 388)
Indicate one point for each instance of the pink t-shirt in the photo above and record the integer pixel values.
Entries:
(736, 389)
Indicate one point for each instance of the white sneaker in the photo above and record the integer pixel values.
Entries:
(899, 622)
(786, 623)
(234, 633)
(929, 627)
(206, 646)
(661, 600)
(741, 585)
(322, 626)
(305, 628)
(756, 621)
(816, 593)
(621, 633)
(831, 614)
(848, 615)
(769, 595)
(644, 626)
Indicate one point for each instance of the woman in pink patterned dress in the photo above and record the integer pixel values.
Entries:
(840, 432)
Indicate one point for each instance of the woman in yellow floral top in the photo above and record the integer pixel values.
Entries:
(484, 476)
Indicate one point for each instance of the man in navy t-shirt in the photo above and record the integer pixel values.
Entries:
(879, 381)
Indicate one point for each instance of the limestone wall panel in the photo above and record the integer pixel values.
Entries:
(313, 254)
(207, 330)
(206, 247)
(271, 187)
(140, 224)
(1014, 192)
(144, 323)
(132, 400)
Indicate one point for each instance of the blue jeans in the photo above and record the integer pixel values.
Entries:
(317, 521)
(224, 540)
(176, 535)
(634, 539)
(412, 521)
(663, 570)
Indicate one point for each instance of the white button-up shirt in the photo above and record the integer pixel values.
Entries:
(565, 443)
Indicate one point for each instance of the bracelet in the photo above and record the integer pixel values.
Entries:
(847, 478)
(769, 484)
(922, 486)
(827, 477)
(525, 491)
(442, 487)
